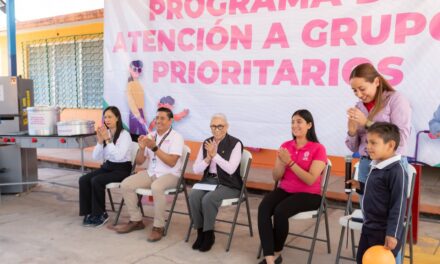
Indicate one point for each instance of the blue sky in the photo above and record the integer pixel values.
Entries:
(35, 9)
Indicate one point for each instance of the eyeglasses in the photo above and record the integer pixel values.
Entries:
(219, 127)
(136, 69)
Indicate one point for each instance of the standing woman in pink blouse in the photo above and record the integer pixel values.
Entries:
(219, 162)
(298, 168)
(379, 102)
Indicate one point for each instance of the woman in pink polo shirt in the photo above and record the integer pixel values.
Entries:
(298, 168)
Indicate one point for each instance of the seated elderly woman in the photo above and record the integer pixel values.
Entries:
(298, 168)
(219, 161)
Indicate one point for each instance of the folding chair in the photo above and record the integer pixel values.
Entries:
(180, 187)
(245, 165)
(114, 185)
(347, 222)
(312, 215)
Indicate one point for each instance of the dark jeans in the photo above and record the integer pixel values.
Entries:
(281, 205)
(369, 238)
(92, 186)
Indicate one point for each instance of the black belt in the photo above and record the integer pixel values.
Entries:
(366, 157)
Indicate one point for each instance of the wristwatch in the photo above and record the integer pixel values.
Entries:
(154, 149)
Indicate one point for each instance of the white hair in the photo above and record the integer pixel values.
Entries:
(220, 116)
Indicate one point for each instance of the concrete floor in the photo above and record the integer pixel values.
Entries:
(43, 226)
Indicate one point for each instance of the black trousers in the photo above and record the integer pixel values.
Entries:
(281, 205)
(372, 237)
(92, 186)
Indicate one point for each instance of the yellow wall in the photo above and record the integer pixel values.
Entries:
(60, 31)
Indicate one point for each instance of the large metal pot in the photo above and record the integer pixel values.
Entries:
(43, 120)
(75, 127)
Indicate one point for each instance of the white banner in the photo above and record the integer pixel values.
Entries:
(259, 61)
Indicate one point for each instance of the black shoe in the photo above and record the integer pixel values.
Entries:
(208, 241)
(199, 239)
(278, 260)
(86, 220)
(99, 220)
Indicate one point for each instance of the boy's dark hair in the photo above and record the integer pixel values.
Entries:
(166, 110)
(386, 131)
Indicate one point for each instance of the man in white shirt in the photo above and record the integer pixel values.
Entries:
(163, 150)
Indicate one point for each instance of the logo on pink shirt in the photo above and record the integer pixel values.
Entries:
(306, 155)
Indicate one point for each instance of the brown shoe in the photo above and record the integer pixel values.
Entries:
(130, 226)
(156, 234)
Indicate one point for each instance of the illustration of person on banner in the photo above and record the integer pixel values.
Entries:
(136, 99)
(168, 102)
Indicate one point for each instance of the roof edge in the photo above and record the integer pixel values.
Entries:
(56, 20)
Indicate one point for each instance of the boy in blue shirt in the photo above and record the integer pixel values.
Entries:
(384, 192)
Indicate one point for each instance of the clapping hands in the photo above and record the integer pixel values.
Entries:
(211, 148)
(102, 134)
(146, 142)
(284, 156)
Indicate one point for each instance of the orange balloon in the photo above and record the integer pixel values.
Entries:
(378, 255)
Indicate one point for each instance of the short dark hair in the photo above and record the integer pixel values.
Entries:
(386, 131)
(166, 110)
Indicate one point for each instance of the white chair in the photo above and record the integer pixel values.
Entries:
(347, 222)
(180, 187)
(115, 185)
(245, 165)
(412, 174)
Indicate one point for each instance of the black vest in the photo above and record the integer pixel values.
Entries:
(224, 149)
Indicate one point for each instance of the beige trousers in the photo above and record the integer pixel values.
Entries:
(157, 185)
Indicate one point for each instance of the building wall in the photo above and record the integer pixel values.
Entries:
(49, 31)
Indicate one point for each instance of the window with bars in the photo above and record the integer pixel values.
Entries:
(67, 71)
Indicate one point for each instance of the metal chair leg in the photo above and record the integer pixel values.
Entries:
(341, 241)
(260, 249)
(234, 223)
(189, 231)
(248, 214)
(411, 253)
(140, 204)
(185, 192)
(327, 230)
(353, 248)
(170, 213)
(111, 200)
(119, 212)
(315, 235)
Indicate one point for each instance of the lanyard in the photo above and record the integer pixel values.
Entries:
(161, 141)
